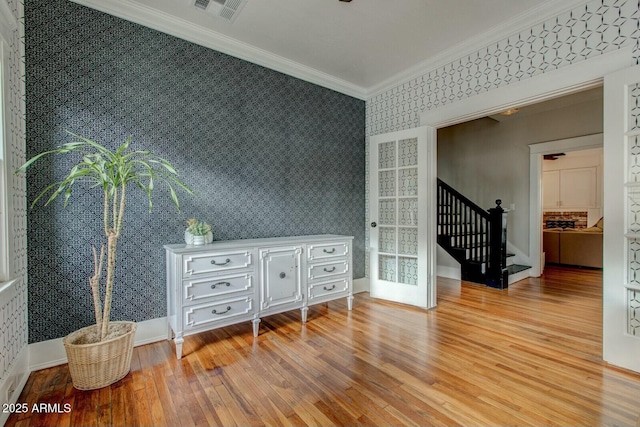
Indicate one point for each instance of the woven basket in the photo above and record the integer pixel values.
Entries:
(100, 364)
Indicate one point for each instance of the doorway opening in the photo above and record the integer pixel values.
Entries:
(487, 159)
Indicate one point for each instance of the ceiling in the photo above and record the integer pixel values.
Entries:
(592, 96)
(359, 47)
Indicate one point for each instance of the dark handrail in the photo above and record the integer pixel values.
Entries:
(466, 223)
(463, 199)
(480, 232)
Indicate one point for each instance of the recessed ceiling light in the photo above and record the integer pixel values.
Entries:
(510, 111)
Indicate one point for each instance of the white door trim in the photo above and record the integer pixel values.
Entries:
(620, 343)
(536, 151)
(572, 78)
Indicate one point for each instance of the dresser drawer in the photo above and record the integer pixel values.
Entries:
(209, 314)
(330, 287)
(196, 289)
(328, 269)
(327, 250)
(211, 262)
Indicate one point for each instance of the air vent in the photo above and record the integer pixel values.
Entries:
(225, 9)
(202, 4)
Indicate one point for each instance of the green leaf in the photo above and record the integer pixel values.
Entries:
(124, 146)
(174, 197)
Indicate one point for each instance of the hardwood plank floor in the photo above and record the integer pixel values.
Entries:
(530, 355)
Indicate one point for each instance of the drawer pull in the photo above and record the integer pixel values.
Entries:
(282, 275)
(330, 271)
(329, 289)
(329, 252)
(213, 261)
(214, 311)
(221, 284)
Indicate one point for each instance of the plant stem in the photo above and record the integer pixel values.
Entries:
(112, 240)
(94, 281)
(106, 212)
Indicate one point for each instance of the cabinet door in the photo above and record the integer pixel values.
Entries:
(578, 188)
(550, 189)
(280, 278)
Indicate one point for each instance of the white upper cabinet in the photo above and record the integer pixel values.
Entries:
(573, 183)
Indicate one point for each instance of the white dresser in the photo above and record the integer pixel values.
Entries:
(228, 282)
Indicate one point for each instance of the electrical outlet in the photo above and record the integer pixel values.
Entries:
(512, 207)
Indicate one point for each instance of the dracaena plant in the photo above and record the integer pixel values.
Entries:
(110, 172)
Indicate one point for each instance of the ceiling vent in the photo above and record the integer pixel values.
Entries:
(225, 9)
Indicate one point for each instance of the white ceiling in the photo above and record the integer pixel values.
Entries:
(357, 48)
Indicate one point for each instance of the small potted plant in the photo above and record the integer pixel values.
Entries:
(198, 232)
(100, 355)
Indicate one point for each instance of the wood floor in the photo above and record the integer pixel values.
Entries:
(529, 355)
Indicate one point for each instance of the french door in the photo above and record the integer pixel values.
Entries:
(621, 274)
(402, 216)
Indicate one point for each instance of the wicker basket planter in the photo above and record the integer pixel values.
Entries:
(100, 364)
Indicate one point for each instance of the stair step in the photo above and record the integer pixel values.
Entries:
(517, 272)
(516, 268)
(510, 259)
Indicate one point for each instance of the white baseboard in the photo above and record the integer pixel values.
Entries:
(448, 272)
(14, 382)
(50, 353)
(361, 285)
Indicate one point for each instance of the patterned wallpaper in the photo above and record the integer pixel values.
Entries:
(266, 154)
(13, 312)
(597, 27)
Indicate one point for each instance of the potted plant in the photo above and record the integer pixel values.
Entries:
(197, 232)
(100, 355)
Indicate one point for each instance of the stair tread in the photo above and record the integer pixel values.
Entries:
(516, 268)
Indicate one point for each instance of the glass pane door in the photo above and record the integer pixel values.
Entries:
(396, 206)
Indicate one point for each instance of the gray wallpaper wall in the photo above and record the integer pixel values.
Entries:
(266, 154)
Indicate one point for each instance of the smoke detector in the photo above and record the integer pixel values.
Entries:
(225, 9)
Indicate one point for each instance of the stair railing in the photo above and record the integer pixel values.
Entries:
(483, 233)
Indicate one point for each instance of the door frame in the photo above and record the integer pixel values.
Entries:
(573, 78)
(536, 152)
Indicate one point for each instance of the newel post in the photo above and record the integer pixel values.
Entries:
(497, 247)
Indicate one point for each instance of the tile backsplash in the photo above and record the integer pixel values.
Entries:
(578, 217)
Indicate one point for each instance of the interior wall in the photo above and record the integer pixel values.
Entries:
(265, 153)
(487, 160)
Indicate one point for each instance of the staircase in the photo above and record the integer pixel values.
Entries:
(477, 239)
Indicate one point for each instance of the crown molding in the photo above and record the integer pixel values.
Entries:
(183, 29)
(522, 22)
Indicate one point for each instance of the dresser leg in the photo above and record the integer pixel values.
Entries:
(256, 327)
(304, 311)
(178, 341)
(350, 302)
